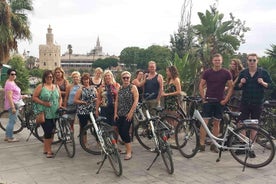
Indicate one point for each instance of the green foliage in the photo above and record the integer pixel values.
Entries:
(271, 52)
(22, 77)
(36, 72)
(213, 35)
(105, 63)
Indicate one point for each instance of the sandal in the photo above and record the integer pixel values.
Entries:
(50, 155)
(128, 157)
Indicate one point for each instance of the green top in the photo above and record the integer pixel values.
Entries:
(170, 101)
(50, 96)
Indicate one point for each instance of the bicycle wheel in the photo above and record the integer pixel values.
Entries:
(68, 134)
(144, 135)
(253, 147)
(113, 156)
(39, 134)
(187, 138)
(166, 154)
(172, 123)
(269, 124)
(4, 119)
(88, 140)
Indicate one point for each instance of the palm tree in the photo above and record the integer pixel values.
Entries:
(6, 38)
(15, 25)
(217, 36)
(70, 50)
(271, 52)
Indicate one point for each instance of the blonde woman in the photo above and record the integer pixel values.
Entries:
(70, 94)
(125, 104)
(107, 94)
(96, 80)
(61, 81)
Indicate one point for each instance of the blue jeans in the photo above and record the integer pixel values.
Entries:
(12, 121)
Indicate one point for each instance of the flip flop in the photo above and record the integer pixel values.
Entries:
(128, 157)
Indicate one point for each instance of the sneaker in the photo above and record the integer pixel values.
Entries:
(213, 148)
(13, 140)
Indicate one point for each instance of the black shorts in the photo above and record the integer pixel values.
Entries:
(250, 111)
(212, 110)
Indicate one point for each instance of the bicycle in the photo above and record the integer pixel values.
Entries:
(142, 131)
(157, 131)
(102, 141)
(268, 118)
(25, 119)
(250, 145)
(65, 133)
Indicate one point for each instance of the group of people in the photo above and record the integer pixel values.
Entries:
(217, 85)
(103, 96)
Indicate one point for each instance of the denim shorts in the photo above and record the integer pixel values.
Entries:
(212, 110)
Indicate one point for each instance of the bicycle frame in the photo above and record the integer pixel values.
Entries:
(215, 140)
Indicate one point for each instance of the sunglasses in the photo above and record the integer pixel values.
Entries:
(49, 77)
(13, 74)
(252, 60)
(126, 78)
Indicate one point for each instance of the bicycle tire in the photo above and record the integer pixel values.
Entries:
(166, 154)
(39, 134)
(113, 156)
(258, 155)
(187, 138)
(69, 143)
(91, 146)
(144, 135)
(172, 122)
(4, 119)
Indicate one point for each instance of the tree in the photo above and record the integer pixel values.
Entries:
(214, 35)
(14, 25)
(130, 55)
(271, 52)
(105, 63)
(70, 50)
(22, 77)
(182, 41)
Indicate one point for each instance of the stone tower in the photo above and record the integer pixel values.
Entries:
(49, 54)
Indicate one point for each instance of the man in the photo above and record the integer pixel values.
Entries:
(153, 85)
(215, 80)
(252, 81)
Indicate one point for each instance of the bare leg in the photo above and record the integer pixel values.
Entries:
(203, 133)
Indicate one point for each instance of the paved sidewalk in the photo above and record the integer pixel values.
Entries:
(24, 163)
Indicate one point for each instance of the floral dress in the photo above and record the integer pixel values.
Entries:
(170, 101)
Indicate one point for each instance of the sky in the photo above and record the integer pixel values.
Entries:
(141, 23)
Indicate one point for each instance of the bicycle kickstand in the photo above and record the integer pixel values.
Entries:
(218, 159)
(157, 154)
(101, 162)
(246, 156)
(29, 136)
(59, 148)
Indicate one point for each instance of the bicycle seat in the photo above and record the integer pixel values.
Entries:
(251, 121)
(101, 118)
(65, 111)
(270, 103)
(233, 114)
(159, 109)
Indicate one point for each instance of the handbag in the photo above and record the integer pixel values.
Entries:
(19, 104)
(40, 118)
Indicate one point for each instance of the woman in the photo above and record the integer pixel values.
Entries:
(125, 104)
(85, 98)
(107, 94)
(61, 82)
(139, 82)
(47, 98)
(235, 69)
(12, 96)
(172, 89)
(96, 80)
(69, 96)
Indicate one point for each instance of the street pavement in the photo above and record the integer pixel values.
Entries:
(24, 163)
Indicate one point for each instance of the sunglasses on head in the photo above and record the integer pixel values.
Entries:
(252, 60)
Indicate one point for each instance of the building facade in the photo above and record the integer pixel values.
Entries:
(49, 54)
